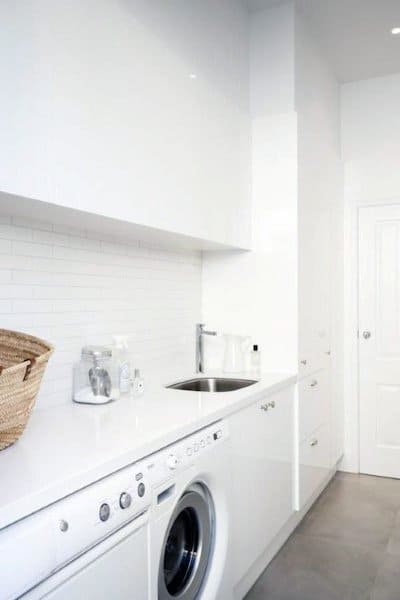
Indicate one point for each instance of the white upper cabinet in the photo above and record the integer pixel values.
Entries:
(135, 110)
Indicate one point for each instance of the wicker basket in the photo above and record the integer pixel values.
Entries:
(23, 359)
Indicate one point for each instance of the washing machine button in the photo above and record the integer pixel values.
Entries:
(172, 462)
(141, 490)
(104, 511)
(202, 443)
(125, 500)
(196, 447)
(189, 451)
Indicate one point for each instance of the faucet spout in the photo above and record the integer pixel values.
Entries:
(200, 331)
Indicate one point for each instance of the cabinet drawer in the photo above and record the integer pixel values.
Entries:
(313, 404)
(311, 362)
(314, 463)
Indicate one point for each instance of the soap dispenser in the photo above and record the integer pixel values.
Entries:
(255, 360)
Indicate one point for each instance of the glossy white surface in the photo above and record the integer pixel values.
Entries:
(262, 444)
(68, 447)
(211, 465)
(109, 120)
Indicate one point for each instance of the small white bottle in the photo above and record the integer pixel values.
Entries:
(124, 364)
(137, 384)
(255, 360)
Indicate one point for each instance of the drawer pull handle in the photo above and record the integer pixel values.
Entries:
(303, 362)
(271, 404)
(314, 443)
(314, 383)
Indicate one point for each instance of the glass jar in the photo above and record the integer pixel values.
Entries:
(96, 376)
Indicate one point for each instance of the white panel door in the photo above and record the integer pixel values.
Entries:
(262, 469)
(379, 340)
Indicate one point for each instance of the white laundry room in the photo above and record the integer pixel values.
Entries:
(200, 300)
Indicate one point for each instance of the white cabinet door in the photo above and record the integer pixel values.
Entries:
(262, 440)
(318, 433)
(314, 403)
(379, 340)
(315, 224)
(314, 463)
(123, 129)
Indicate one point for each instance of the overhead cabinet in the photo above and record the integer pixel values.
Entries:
(120, 113)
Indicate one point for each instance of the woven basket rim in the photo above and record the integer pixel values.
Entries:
(39, 359)
(27, 336)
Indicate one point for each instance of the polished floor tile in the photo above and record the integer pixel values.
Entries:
(346, 548)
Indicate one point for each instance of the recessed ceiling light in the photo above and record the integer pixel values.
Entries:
(396, 30)
(193, 75)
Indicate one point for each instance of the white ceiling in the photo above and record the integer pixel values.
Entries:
(355, 35)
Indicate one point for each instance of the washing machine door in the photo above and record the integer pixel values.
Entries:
(187, 546)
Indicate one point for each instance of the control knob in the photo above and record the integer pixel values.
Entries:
(125, 500)
(104, 511)
(172, 462)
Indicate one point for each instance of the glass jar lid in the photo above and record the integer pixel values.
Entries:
(96, 352)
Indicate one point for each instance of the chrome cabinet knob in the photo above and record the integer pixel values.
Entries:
(271, 404)
(366, 335)
(264, 407)
(314, 442)
(313, 383)
(303, 362)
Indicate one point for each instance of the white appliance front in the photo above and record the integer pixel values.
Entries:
(189, 523)
(116, 568)
(83, 541)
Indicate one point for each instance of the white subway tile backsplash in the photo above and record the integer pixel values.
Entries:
(73, 287)
(15, 291)
(31, 249)
(5, 246)
(11, 232)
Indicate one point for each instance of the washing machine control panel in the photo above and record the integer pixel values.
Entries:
(89, 515)
(72, 525)
(182, 454)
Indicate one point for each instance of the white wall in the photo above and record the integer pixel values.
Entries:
(371, 151)
(72, 289)
(247, 293)
(99, 111)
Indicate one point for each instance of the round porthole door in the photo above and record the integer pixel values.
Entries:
(187, 547)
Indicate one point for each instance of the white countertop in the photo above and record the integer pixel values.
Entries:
(70, 446)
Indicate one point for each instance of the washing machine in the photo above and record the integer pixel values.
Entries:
(92, 544)
(189, 520)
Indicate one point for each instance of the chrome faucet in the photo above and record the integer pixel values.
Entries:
(200, 331)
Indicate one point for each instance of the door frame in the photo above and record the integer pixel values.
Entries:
(351, 383)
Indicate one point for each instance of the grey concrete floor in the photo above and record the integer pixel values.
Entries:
(346, 548)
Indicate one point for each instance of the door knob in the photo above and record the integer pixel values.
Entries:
(366, 335)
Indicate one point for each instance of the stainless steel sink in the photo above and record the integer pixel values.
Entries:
(212, 384)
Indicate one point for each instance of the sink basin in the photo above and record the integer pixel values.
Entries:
(212, 384)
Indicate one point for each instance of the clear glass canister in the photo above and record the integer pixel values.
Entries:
(96, 376)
